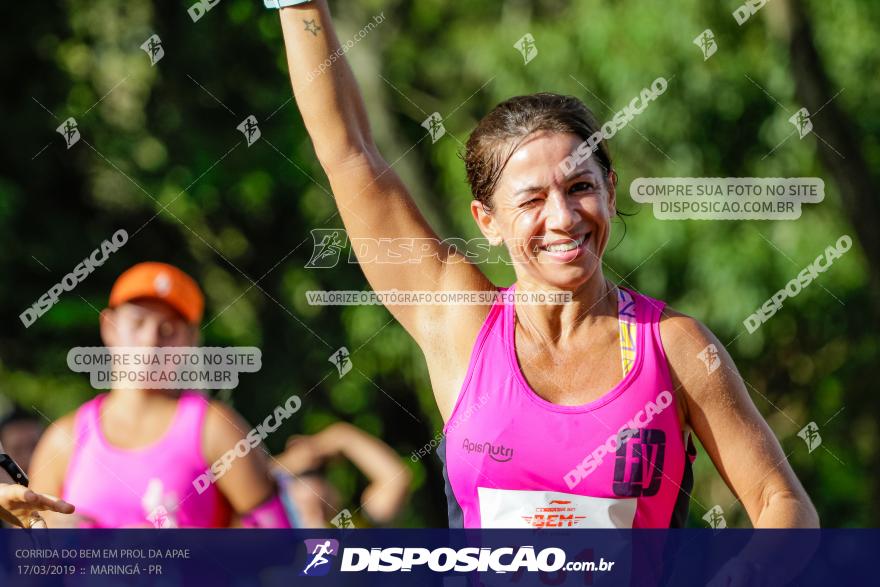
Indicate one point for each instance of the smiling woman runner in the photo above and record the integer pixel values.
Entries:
(543, 425)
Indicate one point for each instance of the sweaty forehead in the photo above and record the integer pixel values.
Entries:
(538, 161)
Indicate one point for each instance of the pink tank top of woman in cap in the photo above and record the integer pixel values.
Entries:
(144, 487)
(512, 459)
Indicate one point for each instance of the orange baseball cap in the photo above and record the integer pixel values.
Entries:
(163, 282)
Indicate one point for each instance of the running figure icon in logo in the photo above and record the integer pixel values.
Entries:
(318, 551)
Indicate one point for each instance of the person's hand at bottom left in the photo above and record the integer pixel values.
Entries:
(21, 506)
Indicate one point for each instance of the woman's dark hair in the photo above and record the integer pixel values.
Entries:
(500, 132)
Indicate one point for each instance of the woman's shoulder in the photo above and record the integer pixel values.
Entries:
(62, 429)
(56, 446)
(694, 355)
(683, 334)
(223, 427)
(67, 426)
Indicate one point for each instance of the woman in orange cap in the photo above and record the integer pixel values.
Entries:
(131, 457)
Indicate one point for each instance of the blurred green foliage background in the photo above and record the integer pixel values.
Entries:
(160, 156)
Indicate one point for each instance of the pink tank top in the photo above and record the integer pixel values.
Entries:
(145, 487)
(514, 460)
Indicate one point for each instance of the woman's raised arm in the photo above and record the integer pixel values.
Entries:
(372, 200)
(324, 86)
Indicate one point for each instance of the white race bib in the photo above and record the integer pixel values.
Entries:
(513, 508)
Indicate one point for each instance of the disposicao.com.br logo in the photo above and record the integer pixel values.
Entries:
(441, 560)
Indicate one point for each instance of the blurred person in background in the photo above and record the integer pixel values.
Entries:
(129, 458)
(314, 499)
(20, 432)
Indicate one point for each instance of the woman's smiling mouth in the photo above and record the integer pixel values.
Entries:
(565, 250)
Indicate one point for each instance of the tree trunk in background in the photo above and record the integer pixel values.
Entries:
(849, 169)
(367, 68)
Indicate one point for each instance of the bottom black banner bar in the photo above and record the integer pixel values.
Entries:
(437, 557)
